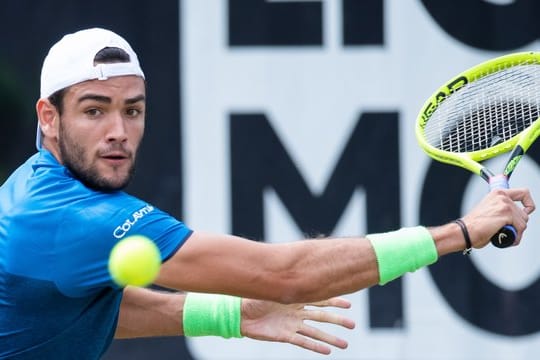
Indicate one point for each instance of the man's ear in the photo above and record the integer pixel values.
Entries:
(48, 118)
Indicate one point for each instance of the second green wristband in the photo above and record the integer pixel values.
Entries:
(212, 315)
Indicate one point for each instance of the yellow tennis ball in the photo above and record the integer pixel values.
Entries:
(135, 261)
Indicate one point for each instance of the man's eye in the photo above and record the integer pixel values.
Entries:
(133, 112)
(93, 112)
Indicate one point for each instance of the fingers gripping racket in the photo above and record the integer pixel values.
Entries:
(488, 110)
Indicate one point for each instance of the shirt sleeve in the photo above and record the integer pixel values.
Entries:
(87, 236)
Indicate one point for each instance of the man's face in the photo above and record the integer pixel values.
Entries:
(100, 130)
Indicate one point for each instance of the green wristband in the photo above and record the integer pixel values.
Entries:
(398, 252)
(212, 315)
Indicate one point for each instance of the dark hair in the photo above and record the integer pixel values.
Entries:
(110, 55)
(107, 55)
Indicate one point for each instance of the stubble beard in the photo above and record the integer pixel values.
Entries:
(73, 157)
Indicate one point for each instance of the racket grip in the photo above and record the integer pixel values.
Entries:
(506, 236)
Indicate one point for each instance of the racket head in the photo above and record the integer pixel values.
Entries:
(485, 111)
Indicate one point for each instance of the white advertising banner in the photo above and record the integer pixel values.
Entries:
(313, 96)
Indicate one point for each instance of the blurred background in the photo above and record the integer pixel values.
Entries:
(278, 119)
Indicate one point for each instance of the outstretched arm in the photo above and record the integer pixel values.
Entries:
(147, 313)
(316, 269)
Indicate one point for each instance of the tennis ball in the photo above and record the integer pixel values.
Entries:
(135, 261)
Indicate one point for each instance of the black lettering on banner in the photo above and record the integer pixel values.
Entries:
(488, 26)
(363, 22)
(370, 160)
(474, 297)
(263, 23)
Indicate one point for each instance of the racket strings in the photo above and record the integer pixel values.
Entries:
(486, 112)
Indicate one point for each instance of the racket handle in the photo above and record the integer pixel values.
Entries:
(506, 236)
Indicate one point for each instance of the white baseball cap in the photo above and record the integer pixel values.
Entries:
(71, 61)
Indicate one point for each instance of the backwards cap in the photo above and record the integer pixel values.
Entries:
(71, 61)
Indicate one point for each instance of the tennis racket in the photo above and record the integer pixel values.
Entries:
(490, 109)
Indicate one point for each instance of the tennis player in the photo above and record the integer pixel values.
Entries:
(63, 210)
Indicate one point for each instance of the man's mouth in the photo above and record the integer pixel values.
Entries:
(115, 157)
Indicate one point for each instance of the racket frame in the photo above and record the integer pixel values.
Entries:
(471, 161)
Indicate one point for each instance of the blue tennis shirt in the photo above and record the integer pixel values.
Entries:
(57, 299)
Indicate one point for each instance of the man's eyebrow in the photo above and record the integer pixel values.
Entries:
(135, 99)
(108, 100)
(100, 98)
